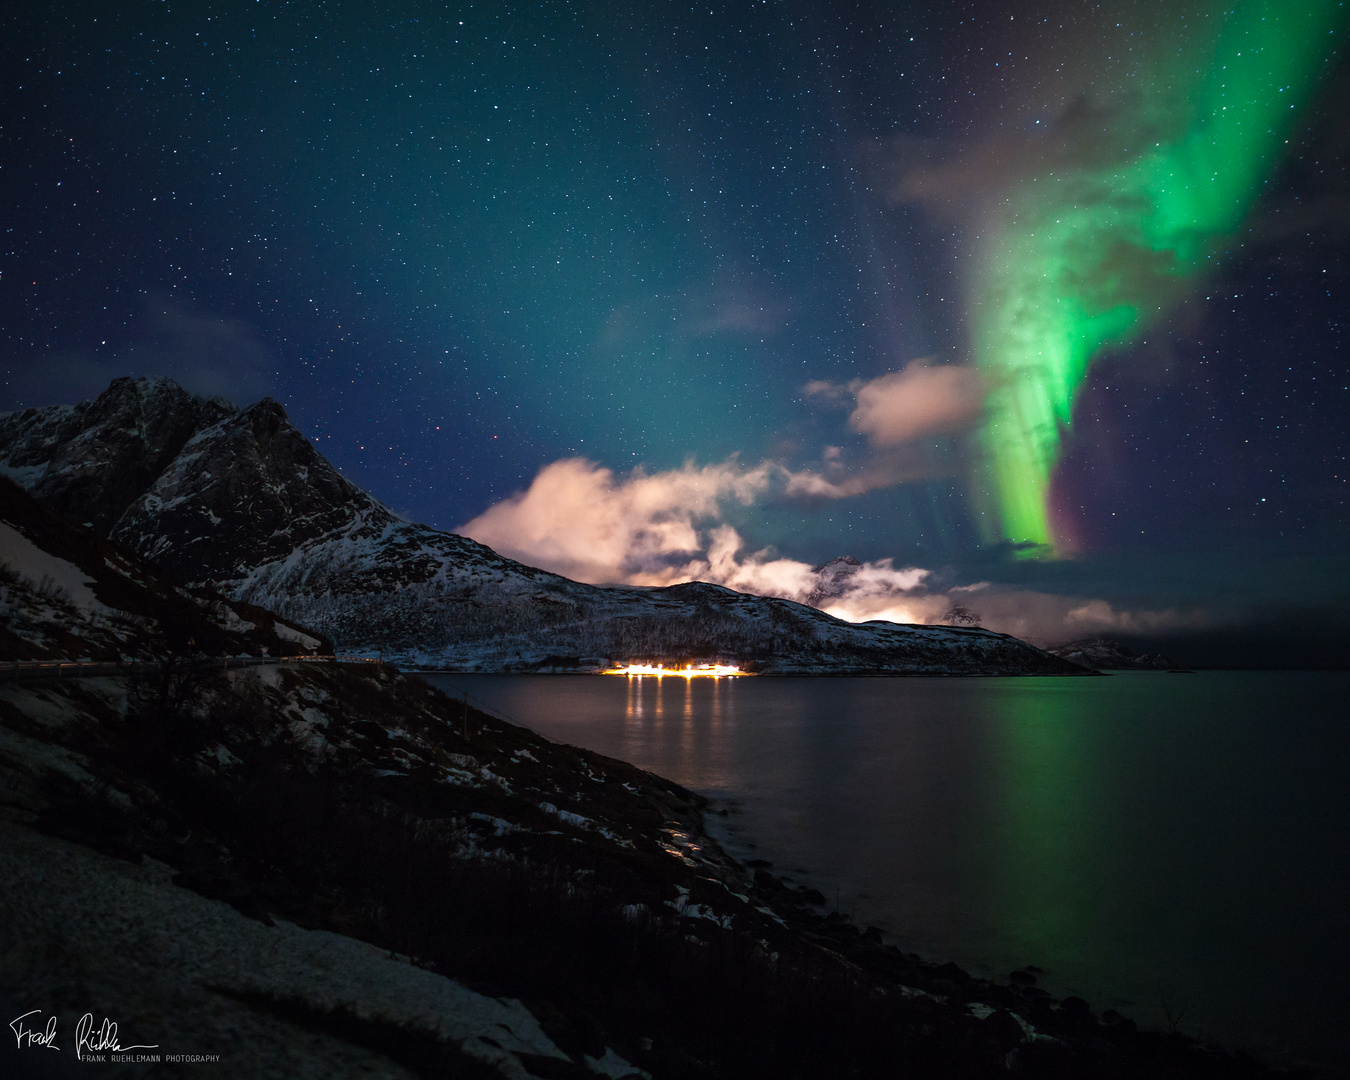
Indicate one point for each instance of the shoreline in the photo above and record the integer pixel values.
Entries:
(355, 801)
(1136, 991)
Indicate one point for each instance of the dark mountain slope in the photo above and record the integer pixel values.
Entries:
(242, 492)
(1106, 653)
(67, 593)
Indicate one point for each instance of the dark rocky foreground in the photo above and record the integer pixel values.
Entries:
(270, 817)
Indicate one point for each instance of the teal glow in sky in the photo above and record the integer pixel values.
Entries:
(461, 243)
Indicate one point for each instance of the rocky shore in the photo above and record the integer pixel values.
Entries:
(336, 870)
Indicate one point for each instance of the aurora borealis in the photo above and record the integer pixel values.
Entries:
(752, 286)
(1087, 254)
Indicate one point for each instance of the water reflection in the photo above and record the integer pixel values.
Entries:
(694, 731)
(1043, 878)
(1135, 836)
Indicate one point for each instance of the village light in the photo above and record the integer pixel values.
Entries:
(689, 671)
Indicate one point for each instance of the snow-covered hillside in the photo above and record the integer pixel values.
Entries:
(246, 504)
(67, 593)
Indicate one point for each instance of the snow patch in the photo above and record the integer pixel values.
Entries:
(31, 561)
(287, 633)
(232, 621)
(133, 932)
(500, 826)
(566, 816)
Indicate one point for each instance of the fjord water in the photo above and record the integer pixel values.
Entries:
(1176, 847)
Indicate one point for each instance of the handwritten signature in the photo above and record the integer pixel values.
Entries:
(103, 1039)
(26, 1036)
(87, 1040)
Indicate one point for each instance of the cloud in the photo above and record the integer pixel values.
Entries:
(836, 480)
(741, 317)
(579, 519)
(682, 318)
(1053, 618)
(902, 406)
(831, 392)
(921, 400)
(576, 518)
(760, 573)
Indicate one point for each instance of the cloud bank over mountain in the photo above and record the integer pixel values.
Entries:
(580, 519)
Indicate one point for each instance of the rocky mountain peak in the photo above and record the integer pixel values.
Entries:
(205, 489)
(91, 460)
(267, 417)
(243, 491)
(832, 579)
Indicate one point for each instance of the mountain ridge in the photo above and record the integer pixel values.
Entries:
(1099, 652)
(249, 506)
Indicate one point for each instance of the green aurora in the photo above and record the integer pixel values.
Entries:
(1087, 254)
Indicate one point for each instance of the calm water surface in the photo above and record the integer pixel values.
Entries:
(1144, 838)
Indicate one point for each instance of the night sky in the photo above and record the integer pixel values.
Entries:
(461, 243)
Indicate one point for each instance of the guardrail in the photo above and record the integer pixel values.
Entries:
(88, 669)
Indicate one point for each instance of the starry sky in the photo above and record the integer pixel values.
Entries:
(461, 242)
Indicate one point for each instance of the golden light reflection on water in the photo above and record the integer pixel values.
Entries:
(697, 711)
(634, 708)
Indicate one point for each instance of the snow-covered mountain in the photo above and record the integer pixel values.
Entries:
(241, 500)
(1106, 653)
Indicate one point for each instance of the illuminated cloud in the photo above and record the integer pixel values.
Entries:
(579, 519)
(921, 400)
(902, 406)
(836, 480)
